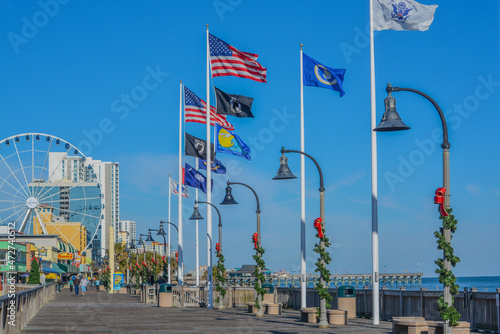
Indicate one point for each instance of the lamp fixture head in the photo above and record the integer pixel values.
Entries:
(284, 172)
(391, 120)
(228, 199)
(196, 214)
(161, 231)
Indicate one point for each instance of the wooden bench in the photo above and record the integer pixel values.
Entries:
(436, 327)
(418, 325)
(273, 308)
(308, 314)
(409, 325)
(337, 317)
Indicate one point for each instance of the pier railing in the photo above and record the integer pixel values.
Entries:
(22, 307)
(480, 310)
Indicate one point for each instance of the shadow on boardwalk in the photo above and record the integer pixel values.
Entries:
(105, 313)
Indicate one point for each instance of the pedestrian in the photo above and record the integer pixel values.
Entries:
(71, 285)
(84, 283)
(77, 282)
(152, 279)
(97, 282)
(59, 285)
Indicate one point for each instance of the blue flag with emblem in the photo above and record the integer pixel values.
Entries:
(229, 142)
(195, 179)
(318, 75)
(217, 166)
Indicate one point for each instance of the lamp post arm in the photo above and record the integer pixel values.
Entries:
(172, 225)
(446, 144)
(198, 202)
(321, 184)
(256, 197)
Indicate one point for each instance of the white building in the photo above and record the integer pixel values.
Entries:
(107, 174)
(128, 226)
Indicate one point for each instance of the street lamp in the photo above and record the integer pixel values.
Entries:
(197, 216)
(392, 122)
(162, 230)
(150, 238)
(284, 173)
(229, 200)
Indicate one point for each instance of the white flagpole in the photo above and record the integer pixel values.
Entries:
(168, 249)
(303, 272)
(197, 241)
(375, 265)
(209, 186)
(180, 242)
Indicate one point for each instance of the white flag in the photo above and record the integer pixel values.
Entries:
(402, 15)
(174, 188)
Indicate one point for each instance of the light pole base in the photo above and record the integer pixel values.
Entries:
(323, 324)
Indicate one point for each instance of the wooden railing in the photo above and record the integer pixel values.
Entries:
(481, 310)
(17, 310)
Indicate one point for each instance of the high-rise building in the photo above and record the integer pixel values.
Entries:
(107, 174)
(127, 226)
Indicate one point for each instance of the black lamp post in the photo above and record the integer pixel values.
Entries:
(197, 216)
(284, 173)
(229, 200)
(162, 232)
(392, 122)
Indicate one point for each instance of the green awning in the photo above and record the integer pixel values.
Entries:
(54, 268)
(67, 268)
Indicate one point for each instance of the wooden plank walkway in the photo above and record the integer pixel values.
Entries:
(120, 313)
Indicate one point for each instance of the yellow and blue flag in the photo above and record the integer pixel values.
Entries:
(318, 75)
(229, 142)
(217, 166)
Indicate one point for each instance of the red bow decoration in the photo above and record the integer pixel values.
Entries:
(317, 225)
(217, 248)
(439, 199)
(177, 256)
(255, 237)
(153, 260)
(163, 258)
(138, 265)
(108, 267)
(144, 263)
(130, 268)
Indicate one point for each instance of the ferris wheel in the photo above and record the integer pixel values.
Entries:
(47, 186)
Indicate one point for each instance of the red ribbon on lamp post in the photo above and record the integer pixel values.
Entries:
(439, 199)
(317, 225)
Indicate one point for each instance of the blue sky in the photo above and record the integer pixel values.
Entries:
(70, 74)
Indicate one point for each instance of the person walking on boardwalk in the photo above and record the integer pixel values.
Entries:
(84, 284)
(59, 285)
(77, 282)
(97, 282)
(70, 283)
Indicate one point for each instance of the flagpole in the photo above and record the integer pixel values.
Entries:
(209, 185)
(303, 272)
(169, 202)
(197, 241)
(180, 242)
(375, 257)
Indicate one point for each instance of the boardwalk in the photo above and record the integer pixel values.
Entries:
(104, 313)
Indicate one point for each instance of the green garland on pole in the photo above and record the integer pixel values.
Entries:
(321, 268)
(446, 277)
(221, 279)
(259, 275)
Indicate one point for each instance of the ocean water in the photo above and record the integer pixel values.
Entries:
(482, 283)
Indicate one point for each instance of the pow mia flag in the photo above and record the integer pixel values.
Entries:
(233, 105)
(196, 147)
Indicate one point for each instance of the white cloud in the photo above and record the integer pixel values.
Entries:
(473, 189)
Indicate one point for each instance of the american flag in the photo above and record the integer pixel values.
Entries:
(196, 111)
(227, 60)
